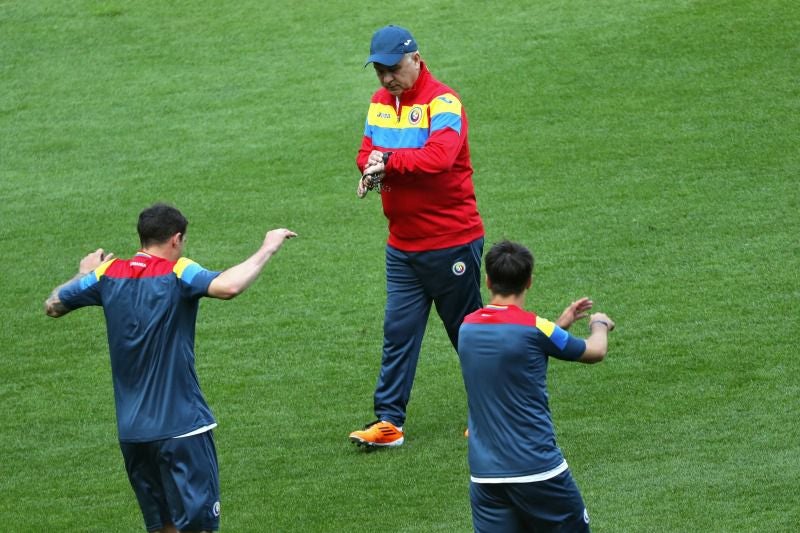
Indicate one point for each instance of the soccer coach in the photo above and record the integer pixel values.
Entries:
(415, 152)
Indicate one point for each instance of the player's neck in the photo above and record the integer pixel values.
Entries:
(164, 252)
(513, 299)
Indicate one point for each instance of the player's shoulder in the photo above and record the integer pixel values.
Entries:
(106, 265)
(192, 273)
(544, 325)
(553, 332)
(185, 267)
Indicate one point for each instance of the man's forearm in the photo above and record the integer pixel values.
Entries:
(236, 279)
(53, 306)
(596, 343)
(436, 156)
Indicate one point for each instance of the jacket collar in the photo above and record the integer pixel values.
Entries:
(422, 80)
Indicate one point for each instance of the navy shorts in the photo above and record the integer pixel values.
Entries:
(551, 505)
(176, 481)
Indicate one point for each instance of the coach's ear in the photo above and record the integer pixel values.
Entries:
(530, 282)
(488, 283)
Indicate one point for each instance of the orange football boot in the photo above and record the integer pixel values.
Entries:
(378, 433)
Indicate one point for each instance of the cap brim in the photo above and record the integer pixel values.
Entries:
(389, 60)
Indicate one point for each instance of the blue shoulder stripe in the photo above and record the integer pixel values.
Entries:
(87, 281)
(186, 269)
(559, 337)
(446, 120)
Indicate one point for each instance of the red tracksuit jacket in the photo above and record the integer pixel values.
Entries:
(428, 196)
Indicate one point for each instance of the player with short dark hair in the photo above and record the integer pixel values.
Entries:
(150, 304)
(519, 480)
(158, 223)
(509, 265)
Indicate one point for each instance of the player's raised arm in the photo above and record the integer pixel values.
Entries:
(597, 342)
(235, 280)
(53, 306)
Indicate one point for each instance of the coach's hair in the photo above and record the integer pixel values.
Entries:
(407, 56)
(158, 223)
(509, 266)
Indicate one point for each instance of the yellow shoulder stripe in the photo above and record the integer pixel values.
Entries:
(99, 271)
(181, 265)
(445, 103)
(545, 326)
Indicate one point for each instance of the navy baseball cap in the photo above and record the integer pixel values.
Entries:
(389, 45)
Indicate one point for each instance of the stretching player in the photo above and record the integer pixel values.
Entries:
(150, 303)
(519, 480)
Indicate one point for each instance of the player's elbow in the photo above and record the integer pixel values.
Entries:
(592, 358)
(53, 309)
(594, 353)
(225, 291)
(596, 349)
(228, 294)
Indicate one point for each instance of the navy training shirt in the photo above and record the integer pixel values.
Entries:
(504, 352)
(150, 305)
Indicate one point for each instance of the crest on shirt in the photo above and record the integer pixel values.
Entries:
(415, 115)
(459, 268)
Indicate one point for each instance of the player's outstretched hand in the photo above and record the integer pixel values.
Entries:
(275, 238)
(574, 312)
(93, 260)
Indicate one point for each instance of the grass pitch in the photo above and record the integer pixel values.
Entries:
(645, 151)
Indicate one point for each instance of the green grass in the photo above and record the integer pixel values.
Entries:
(646, 151)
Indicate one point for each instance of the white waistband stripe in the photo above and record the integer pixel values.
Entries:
(523, 479)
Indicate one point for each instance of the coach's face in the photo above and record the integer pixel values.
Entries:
(400, 77)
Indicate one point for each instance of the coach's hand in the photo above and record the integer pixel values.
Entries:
(375, 169)
(362, 189)
(375, 157)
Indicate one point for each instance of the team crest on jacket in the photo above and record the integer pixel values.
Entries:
(415, 115)
(459, 268)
